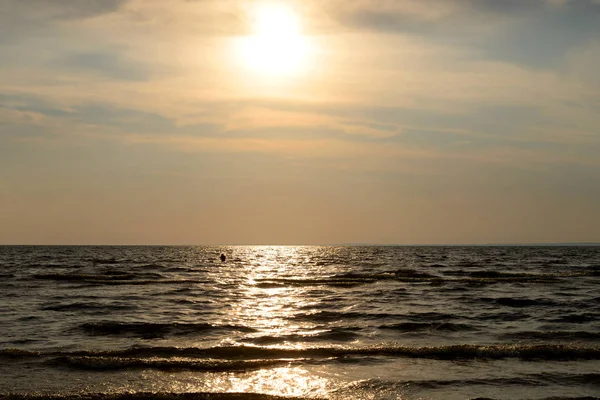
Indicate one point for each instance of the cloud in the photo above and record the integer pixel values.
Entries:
(186, 17)
(33, 104)
(35, 18)
(544, 39)
(58, 9)
(107, 64)
(582, 66)
(401, 90)
(376, 136)
(87, 115)
(533, 33)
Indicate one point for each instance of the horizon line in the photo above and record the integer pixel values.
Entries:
(358, 244)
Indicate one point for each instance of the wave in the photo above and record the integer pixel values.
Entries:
(522, 302)
(497, 276)
(349, 279)
(334, 334)
(432, 316)
(576, 318)
(535, 379)
(530, 352)
(522, 276)
(149, 396)
(180, 269)
(109, 276)
(333, 316)
(552, 335)
(109, 260)
(410, 275)
(336, 282)
(418, 327)
(436, 265)
(154, 330)
(87, 306)
(151, 266)
(117, 278)
(11, 353)
(503, 316)
(164, 364)
(558, 398)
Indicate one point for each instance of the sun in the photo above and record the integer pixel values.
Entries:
(277, 46)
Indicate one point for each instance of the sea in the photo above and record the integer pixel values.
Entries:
(299, 322)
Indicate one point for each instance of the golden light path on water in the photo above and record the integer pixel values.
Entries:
(268, 308)
(284, 381)
(281, 381)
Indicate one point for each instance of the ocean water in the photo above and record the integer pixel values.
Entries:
(300, 322)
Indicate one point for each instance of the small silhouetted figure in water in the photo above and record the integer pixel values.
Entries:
(223, 257)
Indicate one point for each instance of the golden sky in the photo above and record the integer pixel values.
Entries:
(299, 122)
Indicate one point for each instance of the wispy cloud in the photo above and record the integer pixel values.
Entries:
(34, 18)
(107, 64)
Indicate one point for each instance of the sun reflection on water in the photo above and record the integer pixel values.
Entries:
(269, 307)
(285, 381)
(262, 302)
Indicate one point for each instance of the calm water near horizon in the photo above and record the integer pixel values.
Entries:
(345, 322)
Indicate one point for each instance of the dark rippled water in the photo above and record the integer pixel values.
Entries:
(304, 322)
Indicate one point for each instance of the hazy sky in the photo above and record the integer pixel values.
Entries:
(319, 121)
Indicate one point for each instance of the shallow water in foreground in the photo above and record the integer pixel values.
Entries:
(305, 322)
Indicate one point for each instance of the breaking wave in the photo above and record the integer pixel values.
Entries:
(532, 352)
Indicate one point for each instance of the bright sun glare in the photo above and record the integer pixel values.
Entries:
(277, 46)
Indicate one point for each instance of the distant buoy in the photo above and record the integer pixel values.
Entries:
(223, 258)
